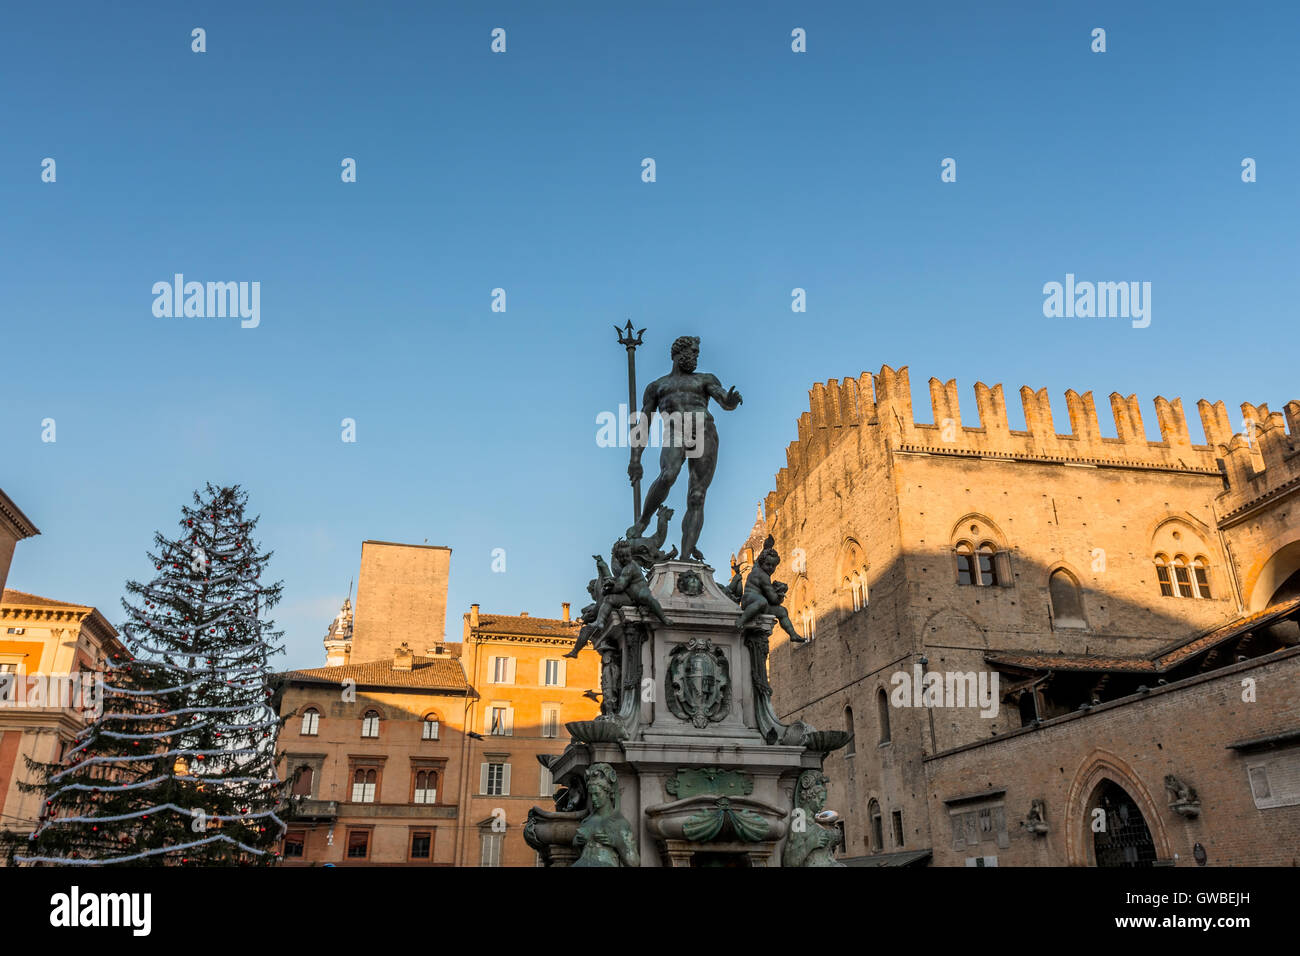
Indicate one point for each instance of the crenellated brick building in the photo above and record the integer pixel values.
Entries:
(1108, 584)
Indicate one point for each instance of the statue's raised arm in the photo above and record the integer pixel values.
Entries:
(729, 400)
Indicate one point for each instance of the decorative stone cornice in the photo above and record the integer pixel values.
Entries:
(485, 636)
(19, 614)
(1057, 459)
(13, 519)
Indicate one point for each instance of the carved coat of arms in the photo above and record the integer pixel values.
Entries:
(699, 682)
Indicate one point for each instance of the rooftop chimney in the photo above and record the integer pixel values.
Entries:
(473, 615)
(403, 658)
(523, 613)
(565, 608)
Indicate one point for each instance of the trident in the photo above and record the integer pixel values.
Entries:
(625, 339)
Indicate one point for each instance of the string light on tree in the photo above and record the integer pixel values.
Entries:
(179, 768)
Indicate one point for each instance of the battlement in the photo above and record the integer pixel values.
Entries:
(1261, 460)
(884, 402)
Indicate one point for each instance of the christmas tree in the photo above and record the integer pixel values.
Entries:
(179, 767)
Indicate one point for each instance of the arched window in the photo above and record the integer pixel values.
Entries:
(310, 722)
(877, 826)
(807, 623)
(965, 564)
(851, 572)
(1178, 577)
(430, 730)
(1163, 576)
(1067, 603)
(370, 724)
(850, 748)
(882, 714)
(426, 786)
(303, 781)
(987, 566)
(363, 786)
(802, 610)
(1201, 576)
(859, 587)
(1181, 548)
(982, 555)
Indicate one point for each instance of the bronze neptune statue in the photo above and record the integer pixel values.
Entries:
(681, 398)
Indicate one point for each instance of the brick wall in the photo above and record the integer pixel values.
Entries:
(1181, 729)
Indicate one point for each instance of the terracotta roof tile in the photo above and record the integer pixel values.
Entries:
(22, 597)
(429, 673)
(1156, 662)
(516, 624)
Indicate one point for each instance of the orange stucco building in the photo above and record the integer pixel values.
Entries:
(410, 750)
(50, 655)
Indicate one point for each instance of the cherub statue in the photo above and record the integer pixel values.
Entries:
(588, 617)
(605, 836)
(763, 596)
(646, 551)
(813, 834)
(1179, 792)
(626, 587)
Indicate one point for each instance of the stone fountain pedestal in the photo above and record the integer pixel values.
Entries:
(706, 772)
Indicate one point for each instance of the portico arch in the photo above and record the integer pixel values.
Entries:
(1274, 576)
(1100, 766)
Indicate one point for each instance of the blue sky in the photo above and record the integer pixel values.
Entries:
(522, 170)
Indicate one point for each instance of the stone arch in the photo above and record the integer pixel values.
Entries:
(986, 530)
(1265, 578)
(1190, 521)
(1104, 765)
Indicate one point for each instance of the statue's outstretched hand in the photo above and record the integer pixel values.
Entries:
(634, 471)
(733, 397)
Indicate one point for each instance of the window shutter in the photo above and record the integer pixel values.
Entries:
(510, 721)
(562, 663)
(547, 781)
(505, 780)
(541, 673)
(1002, 561)
(510, 670)
(482, 778)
